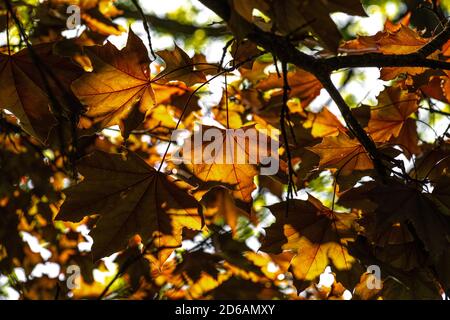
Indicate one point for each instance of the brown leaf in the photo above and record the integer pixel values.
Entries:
(179, 67)
(314, 232)
(120, 80)
(398, 203)
(219, 204)
(23, 91)
(225, 160)
(291, 16)
(324, 124)
(342, 153)
(393, 40)
(131, 198)
(390, 119)
(303, 85)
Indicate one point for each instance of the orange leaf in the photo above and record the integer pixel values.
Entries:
(180, 67)
(303, 85)
(120, 80)
(324, 124)
(394, 107)
(393, 40)
(316, 234)
(342, 153)
(225, 159)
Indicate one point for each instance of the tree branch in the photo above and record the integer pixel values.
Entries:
(354, 126)
(436, 43)
(175, 27)
(380, 60)
(146, 26)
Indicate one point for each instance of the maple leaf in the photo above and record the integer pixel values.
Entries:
(291, 16)
(238, 288)
(96, 14)
(179, 67)
(195, 263)
(324, 124)
(441, 194)
(256, 72)
(264, 261)
(342, 153)
(399, 221)
(24, 93)
(391, 118)
(433, 162)
(415, 284)
(317, 234)
(226, 160)
(136, 271)
(131, 198)
(219, 204)
(398, 203)
(177, 95)
(394, 245)
(303, 85)
(242, 51)
(119, 82)
(395, 39)
(229, 114)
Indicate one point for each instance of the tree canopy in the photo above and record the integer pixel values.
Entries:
(105, 106)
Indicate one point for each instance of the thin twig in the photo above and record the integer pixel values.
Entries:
(284, 110)
(146, 26)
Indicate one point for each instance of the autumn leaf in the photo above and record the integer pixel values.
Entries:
(342, 153)
(290, 17)
(242, 289)
(394, 245)
(209, 217)
(159, 122)
(120, 82)
(317, 234)
(324, 124)
(242, 51)
(196, 263)
(390, 119)
(226, 160)
(96, 14)
(393, 40)
(415, 284)
(441, 194)
(24, 93)
(230, 111)
(137, 271)
(256, 72)
(98, 20)
(179, 67)
(219, 204)
(400, 40)
(177, 95)
(131, 198)
(303, 85)
(398, 203)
